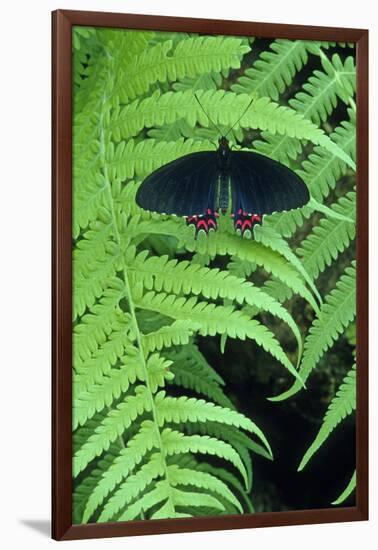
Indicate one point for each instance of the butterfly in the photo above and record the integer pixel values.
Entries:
(200, 186)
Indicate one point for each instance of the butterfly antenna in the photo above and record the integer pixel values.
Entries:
(212, 122)
(241, 116)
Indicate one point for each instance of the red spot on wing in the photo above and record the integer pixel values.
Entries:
(205, 222)
(244, 221)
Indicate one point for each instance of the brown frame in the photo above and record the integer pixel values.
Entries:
(62, 22)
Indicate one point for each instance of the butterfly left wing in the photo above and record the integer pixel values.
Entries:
(185, 186)
(261, 185)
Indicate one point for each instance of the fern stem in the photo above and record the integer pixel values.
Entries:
(143, 361)
(134, 319)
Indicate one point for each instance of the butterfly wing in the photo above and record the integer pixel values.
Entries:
(185, 187)
(261, 185)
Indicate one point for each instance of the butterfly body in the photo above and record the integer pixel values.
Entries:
(200, 185)
(224, 168)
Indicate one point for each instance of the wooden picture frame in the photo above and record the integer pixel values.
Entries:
(62, 525)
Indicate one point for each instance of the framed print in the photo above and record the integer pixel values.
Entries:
(210, 231)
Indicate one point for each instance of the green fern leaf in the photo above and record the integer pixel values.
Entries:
(184, 409)
(328, 239)
(275, 69)
(92, 370)
(128, 159)
(133, 486)
(230, 479)
(191, 57)
(83, 491)
(160, 273)
(178, 333)
(223, 108)
(202, 480)
(216, 320)
(336, 313)
(189, 357)
(115, 382)
(341, 405)
(192, 376)
(338, 81)
(175, 442)
(324, 244)
(321, 171)
(113, 425)
(347, 491)
(124, 463)
(270, 237)
(255, 253)
(96, 326)
(152, 498)
(280, 148)
(104, 392)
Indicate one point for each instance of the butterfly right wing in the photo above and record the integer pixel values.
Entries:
(184, 187)
(261, 185)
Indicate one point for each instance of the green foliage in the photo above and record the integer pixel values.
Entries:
(275, 69)
(347, 491)
(343, 404)
(156, 433)
(336, 313)
(337, 81)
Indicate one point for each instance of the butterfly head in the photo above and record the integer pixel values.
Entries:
(223, 146)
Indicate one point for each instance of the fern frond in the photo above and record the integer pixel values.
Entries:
(111, 385)
(317, 102)
(178, 333)
(255, 253)
(96, 326)
(206, 81)
(231, 480)
(189, 357)
(341, 405)
(321, 171)
(152, 498)
(202, 480)
(216, 320)
(133, 486)
(347, 491)
(175, 442)
(223, 108)
(160, 273)
(191, 375)
(190, 57)
(331, 237)
(185, 409)
(104, 392)
(124, 463)
(323, 89)
(323, 245)
(337, 311)
(113, 425)
(189, 498)
(269, 237)
(92, 370)
(280, 148)
(275, 69)
(128, 159)
(82, 493)
(242, 443)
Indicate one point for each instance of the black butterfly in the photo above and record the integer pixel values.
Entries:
(200, 185)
